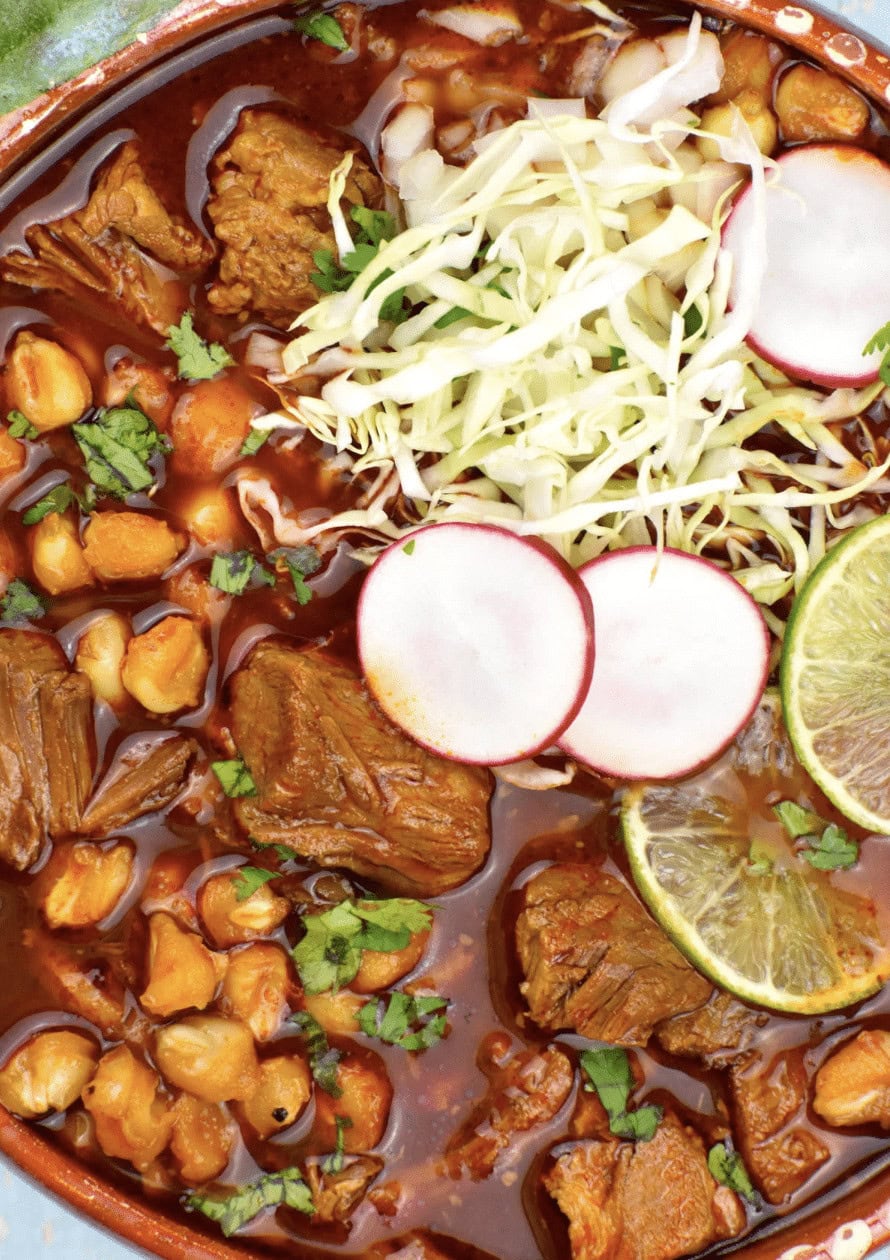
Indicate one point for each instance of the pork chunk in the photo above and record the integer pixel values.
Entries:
(716, 1033)
(147, 775)
(46, 737)
(118, 246)
(853, 1084)
(594, 961)
(268, 208)
(527, 1091)
(769, 1102)
(644, 1200)
(338, 784)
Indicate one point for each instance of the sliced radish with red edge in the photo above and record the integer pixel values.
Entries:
(476, 642)
(826, 291)
(682, 656)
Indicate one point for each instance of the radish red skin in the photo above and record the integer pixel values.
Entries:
(582, 664)
(860, 370)
(608, 652)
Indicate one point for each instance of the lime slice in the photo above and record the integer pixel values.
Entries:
(836, 675)
(721, 876)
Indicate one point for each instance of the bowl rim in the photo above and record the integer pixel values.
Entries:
(853, 1222)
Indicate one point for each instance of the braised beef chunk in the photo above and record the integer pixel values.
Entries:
(46, 735)
(112, 247)
(716, 1033)
(643, 1200)
(336, 1193)
(769, 1104)
(146, 775)
(526, 1091)
(338, 784)
(268, 208)
(594, 961)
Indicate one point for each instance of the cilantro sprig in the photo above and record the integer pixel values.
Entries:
(234, 776)
(117, 445)
(323, 1057)
(323, 27)
(374, 228)
(881, 342)
(58, 500)
(729, 1169)
(250, 879)
(827, 847)
(199, 360)
(282, 1189)
(233, 572)
(299, 563)
(20, 426)
(609, 1076)
(330, 953)
(20, 603)
(400, 1019)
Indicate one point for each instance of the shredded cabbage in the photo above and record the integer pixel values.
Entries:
(570, 367)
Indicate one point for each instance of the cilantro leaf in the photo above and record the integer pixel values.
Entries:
(20, 426)
(834, 850)
(286, 1188)
(300, 563)
(235, 777)
(116, 447)
(409, 546)
(249, 879)
(330, 953)
(330, 277)
(333, 1163)
(414, 1023)
(20, 603)
(324, 28)
(233, 571)
(798, 821)
(729, 1169)
(610, 1077)
(280, 850)
(692, 321)
(452, 316)
(255, 439)
(323, 1057)
(59, 499)
(375, 226)
(617, 358)
(198, 359)
(881, 341)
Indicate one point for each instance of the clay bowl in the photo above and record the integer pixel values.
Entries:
(853, 1219)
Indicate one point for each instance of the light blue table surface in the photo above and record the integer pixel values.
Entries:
(34, 1224)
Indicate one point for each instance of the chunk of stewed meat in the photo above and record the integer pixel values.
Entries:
(853, 1084)
(594, 961)
(46, 739)
(268, 208)
(338, 784)
(523, 1093)
(716, 1033)
(769, 1104)
(644, 1200)
(146, 775)
(120, 247)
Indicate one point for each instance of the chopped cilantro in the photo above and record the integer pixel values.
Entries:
(286, 1189)
(828, 846)
(414, 1023)
(59, 499)
(323, 27)
(881, 341)
(330, 953)
(374, 227)
(617, 358)
(233, 571)
(20, 426)
(300, 563)
(610, 1077)
(692, 321)
(249, 879)
(333, 1163)
(729, 1169)
(323, 1058)
(198, 359)
(409, 546)
(235, 777)
(116, 447)
(280, 850)
(254, 440)
(20, 603)
(452, 316)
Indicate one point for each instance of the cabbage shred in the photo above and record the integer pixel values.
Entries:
(570, 367)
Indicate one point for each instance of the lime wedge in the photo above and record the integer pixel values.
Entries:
(722, 877)
(836, 675)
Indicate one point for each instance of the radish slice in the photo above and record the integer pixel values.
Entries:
(475, 641)
(681, 662)
(827, 284)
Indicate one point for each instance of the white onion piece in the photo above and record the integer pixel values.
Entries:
(488, 22)
(410, 132)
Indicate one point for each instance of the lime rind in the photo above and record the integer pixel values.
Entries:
(835, 675)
